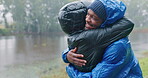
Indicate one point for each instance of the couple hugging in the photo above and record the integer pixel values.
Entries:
(98, 45)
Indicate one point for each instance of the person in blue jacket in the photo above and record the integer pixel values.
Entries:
(72, 21)
(118, 60)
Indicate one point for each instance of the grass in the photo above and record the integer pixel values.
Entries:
(60, 72)
(52, 69)
(144, 66)
(41, 69)
(57, 72)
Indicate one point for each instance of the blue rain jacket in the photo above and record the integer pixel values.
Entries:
(118, 62)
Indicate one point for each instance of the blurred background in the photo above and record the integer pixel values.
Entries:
(31, 40)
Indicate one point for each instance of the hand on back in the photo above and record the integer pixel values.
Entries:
(73, 58)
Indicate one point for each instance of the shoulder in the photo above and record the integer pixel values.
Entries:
(121, 42)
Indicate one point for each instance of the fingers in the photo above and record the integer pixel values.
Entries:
(77, 55)
(74, 50)
(79, 62)
(72, 53)
(74, 58)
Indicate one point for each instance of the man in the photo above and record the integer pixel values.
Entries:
(114, 61)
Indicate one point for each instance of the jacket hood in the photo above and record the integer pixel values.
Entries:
(115, 10)
(72, 17)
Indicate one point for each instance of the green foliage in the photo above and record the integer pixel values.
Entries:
(40, 16)
(34, 16)
(5, 31)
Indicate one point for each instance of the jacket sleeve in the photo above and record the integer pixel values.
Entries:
(64, 53)
(105, 36)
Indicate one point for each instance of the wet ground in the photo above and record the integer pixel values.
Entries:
(31, 56)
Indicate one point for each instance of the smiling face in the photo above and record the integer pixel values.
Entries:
(92, 20)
